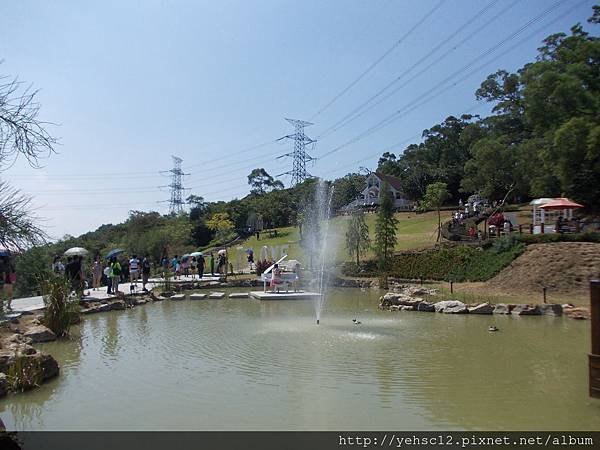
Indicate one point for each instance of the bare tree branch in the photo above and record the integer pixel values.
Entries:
(21, 132)
(17, 228)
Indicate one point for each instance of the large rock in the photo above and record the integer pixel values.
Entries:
(551, 309)
(40, 333)
(526, 310)
(456, 309)
(577, 313)
(482, 308)
(426, 306)
(502, 308)
(451, 307)
(393, 298)
(104, 307)
(49, 366)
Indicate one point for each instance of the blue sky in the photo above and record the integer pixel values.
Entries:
(131, 83)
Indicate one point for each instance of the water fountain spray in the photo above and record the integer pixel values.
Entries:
(316, 240)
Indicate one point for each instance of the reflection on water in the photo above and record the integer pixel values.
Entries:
(246, 364)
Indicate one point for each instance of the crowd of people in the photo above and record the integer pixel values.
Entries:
(113, 271)
(110, 272)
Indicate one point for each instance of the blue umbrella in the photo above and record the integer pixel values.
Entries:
(4, 252)
(185, 257)
(115, 252)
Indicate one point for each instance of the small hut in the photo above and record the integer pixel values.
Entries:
(547, 210)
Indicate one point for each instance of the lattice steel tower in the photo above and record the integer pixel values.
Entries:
(176, 201)
(299, 156)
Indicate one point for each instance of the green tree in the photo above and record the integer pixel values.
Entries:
(220, 223)
(346, 189)
(357, 235)
(491, 171)
(575, 159)
(385, 232)
(435, 196)
(260, 182)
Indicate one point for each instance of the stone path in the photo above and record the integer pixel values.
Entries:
(37, 303)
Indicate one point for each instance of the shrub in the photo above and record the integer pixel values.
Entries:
(449, 263)
(62, 308)
(504, 243)
(261, 266)
(24, 373)
(558, 237)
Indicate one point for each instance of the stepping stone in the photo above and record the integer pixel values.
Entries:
(238, 295)
(216, 295)
(197, 296)
(178, 297)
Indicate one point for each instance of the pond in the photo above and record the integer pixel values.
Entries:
(249, 365)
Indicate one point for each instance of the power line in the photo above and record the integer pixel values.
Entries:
(396, 115)
(351, 116)
(402, 142)
(378, 60)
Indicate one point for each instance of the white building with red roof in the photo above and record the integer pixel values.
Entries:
(371, 194)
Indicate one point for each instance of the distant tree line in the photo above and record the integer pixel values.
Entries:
(543, 137)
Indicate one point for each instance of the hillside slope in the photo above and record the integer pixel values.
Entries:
(565, 267)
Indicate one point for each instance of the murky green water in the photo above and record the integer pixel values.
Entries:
(245, 364)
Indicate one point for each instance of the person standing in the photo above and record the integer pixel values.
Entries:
(70, 271)
(9, 278)
(57, 266)
(185, 266)
(82, 274)
(96, 273)
(115, 274)
(251, 258)
(175, 265)
(200, 263)
(472, 232)
(164, 263)
(134, 269)
(194, 265)
(145, 272)
(125, 271)
(212, 264)
(108, 278)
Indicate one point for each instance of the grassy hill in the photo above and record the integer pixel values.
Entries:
(414, 231)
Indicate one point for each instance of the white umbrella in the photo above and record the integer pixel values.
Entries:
(76, 251)
(222, 252)
(196, 254)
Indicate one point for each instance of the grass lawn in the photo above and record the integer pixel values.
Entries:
(414, 231)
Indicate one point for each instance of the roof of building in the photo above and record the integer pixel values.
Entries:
(391, 180)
